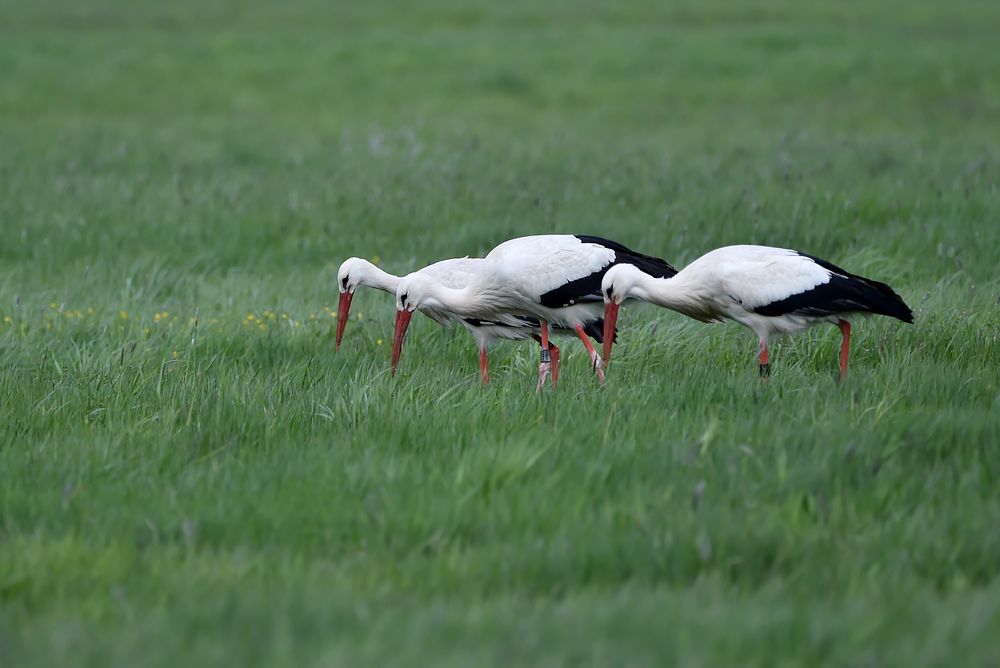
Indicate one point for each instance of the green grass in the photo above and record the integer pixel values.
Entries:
(190, 475)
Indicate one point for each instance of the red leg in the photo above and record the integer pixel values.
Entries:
(765, 367)
(845, 347)
(553, 359)
(483, 371)
(545, 334)
(594, 357)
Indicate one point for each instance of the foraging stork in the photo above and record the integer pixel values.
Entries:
(455, 273)
(770, 290)
(555, 278)
(355, 272)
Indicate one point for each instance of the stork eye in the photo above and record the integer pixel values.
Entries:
(343, 282)
(403, 299)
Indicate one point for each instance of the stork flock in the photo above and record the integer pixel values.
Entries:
(538, 286)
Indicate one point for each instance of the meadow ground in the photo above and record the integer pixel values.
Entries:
(190, 475)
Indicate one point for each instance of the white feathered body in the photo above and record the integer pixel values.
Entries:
(454, 273)
(770, 290)
(528, 268)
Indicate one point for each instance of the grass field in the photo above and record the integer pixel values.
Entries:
(190, 476)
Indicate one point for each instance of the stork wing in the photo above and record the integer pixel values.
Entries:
(551, 269)
(762, 276)
(841, 292)
(778, 281)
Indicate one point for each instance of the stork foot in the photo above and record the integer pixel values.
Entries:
(543, 373)
(765, 371)
(544, 368)
(598, 366)
(595, 357)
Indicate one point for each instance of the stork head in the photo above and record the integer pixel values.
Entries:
(412, 293)
(353, 272)
(416, 291)
(619, 283)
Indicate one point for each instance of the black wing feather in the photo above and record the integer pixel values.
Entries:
(524, 321)
(843, 293)
(594, 329)
(588, 288)
(654, 266)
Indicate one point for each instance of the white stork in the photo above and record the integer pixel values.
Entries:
(770, 290)
(455, 273)
(355, 272)
(554, 278)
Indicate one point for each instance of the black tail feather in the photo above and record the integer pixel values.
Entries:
(885, 301)
(594, 329)
(879, 297)
(654, 266)
(844, 293)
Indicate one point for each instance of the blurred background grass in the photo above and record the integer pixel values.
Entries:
(188, 473)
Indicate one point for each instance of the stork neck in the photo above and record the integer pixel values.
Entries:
(467, 301)
(380, 280)
(669, 293)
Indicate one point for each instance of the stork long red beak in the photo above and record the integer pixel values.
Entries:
(399, 335)
(610, 320)
(343, 310)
